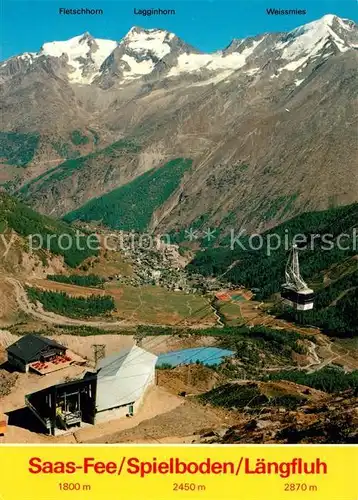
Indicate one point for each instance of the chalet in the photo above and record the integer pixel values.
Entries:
(31, 349)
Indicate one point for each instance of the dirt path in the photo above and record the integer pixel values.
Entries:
(56, 319)
(229, 269)
(316, 362)
(69, 289)
(313, 351)
(216, 314)
(341, 295)
(334, 356)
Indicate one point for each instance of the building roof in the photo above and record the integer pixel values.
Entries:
(30, 346)
(122, 377)
(76, 384)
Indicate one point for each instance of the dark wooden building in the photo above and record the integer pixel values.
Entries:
(31, 348)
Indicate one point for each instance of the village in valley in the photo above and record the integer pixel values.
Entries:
(165, 365)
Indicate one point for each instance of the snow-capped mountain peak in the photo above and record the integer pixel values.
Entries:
(84, 55)
(155, 41)
(322, 38)
(155, 54)
(143, 53)
(310, 38)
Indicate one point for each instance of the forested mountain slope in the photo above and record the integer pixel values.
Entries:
(328, 262)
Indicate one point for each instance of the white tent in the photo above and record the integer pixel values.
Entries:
(123, 378)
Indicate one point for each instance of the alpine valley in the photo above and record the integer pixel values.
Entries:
(105, 141)
(150, 133)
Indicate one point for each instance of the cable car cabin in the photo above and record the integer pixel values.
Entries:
(300, 300)
(295, 291)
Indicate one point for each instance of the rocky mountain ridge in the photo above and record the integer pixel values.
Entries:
(268, 121)
(330, 420)
(156, 52)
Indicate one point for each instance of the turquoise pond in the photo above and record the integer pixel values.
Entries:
(207, 355)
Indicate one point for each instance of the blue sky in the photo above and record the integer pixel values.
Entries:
(207, 24)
